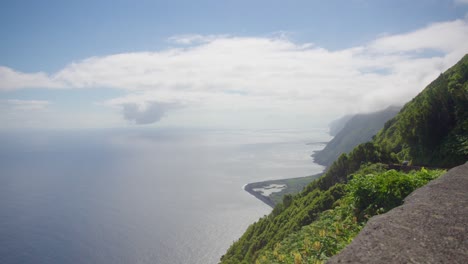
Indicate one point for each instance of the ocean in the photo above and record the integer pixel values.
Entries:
(138, 196)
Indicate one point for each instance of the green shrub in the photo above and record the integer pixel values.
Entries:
(378, 193)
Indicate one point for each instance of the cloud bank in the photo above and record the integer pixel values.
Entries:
(221, 73)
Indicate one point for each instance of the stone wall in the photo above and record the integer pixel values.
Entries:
(430, 227)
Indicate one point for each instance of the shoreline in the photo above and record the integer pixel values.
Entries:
(266, 199)
(293, 185)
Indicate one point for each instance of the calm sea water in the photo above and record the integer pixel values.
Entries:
(154, 196)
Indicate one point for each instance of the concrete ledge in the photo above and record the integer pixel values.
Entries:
(430, 227)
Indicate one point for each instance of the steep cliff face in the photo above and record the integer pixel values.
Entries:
(430, 227)
(358, 129)
(337, 125)
(431, 130)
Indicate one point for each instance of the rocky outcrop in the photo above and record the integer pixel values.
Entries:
(430, 227)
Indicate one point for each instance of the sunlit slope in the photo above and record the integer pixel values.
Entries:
(430, 130)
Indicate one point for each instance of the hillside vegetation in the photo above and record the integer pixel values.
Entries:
(371, 191)
(430, 130)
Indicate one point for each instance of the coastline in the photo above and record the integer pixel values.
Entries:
(266, 199)
(293, 185)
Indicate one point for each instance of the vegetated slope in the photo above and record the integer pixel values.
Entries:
(428, 228)
(358, 129)
(443, 102)
(432, 129)
(372, 190)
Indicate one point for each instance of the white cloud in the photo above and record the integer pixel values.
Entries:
(146, 113)
(271, 75)
(190, 39)
(444, 37)
(11, 80)
(461, 1)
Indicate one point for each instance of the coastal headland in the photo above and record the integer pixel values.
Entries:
(271, 192)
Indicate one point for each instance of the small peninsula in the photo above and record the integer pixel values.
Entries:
(271, 192)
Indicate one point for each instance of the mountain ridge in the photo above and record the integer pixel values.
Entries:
(444, 101)
(358, 128)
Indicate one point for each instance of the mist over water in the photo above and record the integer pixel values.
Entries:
(159, 196)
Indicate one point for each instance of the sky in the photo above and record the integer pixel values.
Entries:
(218, 64)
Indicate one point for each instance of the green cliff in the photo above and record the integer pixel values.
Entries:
(430, 130)
(357, 129)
